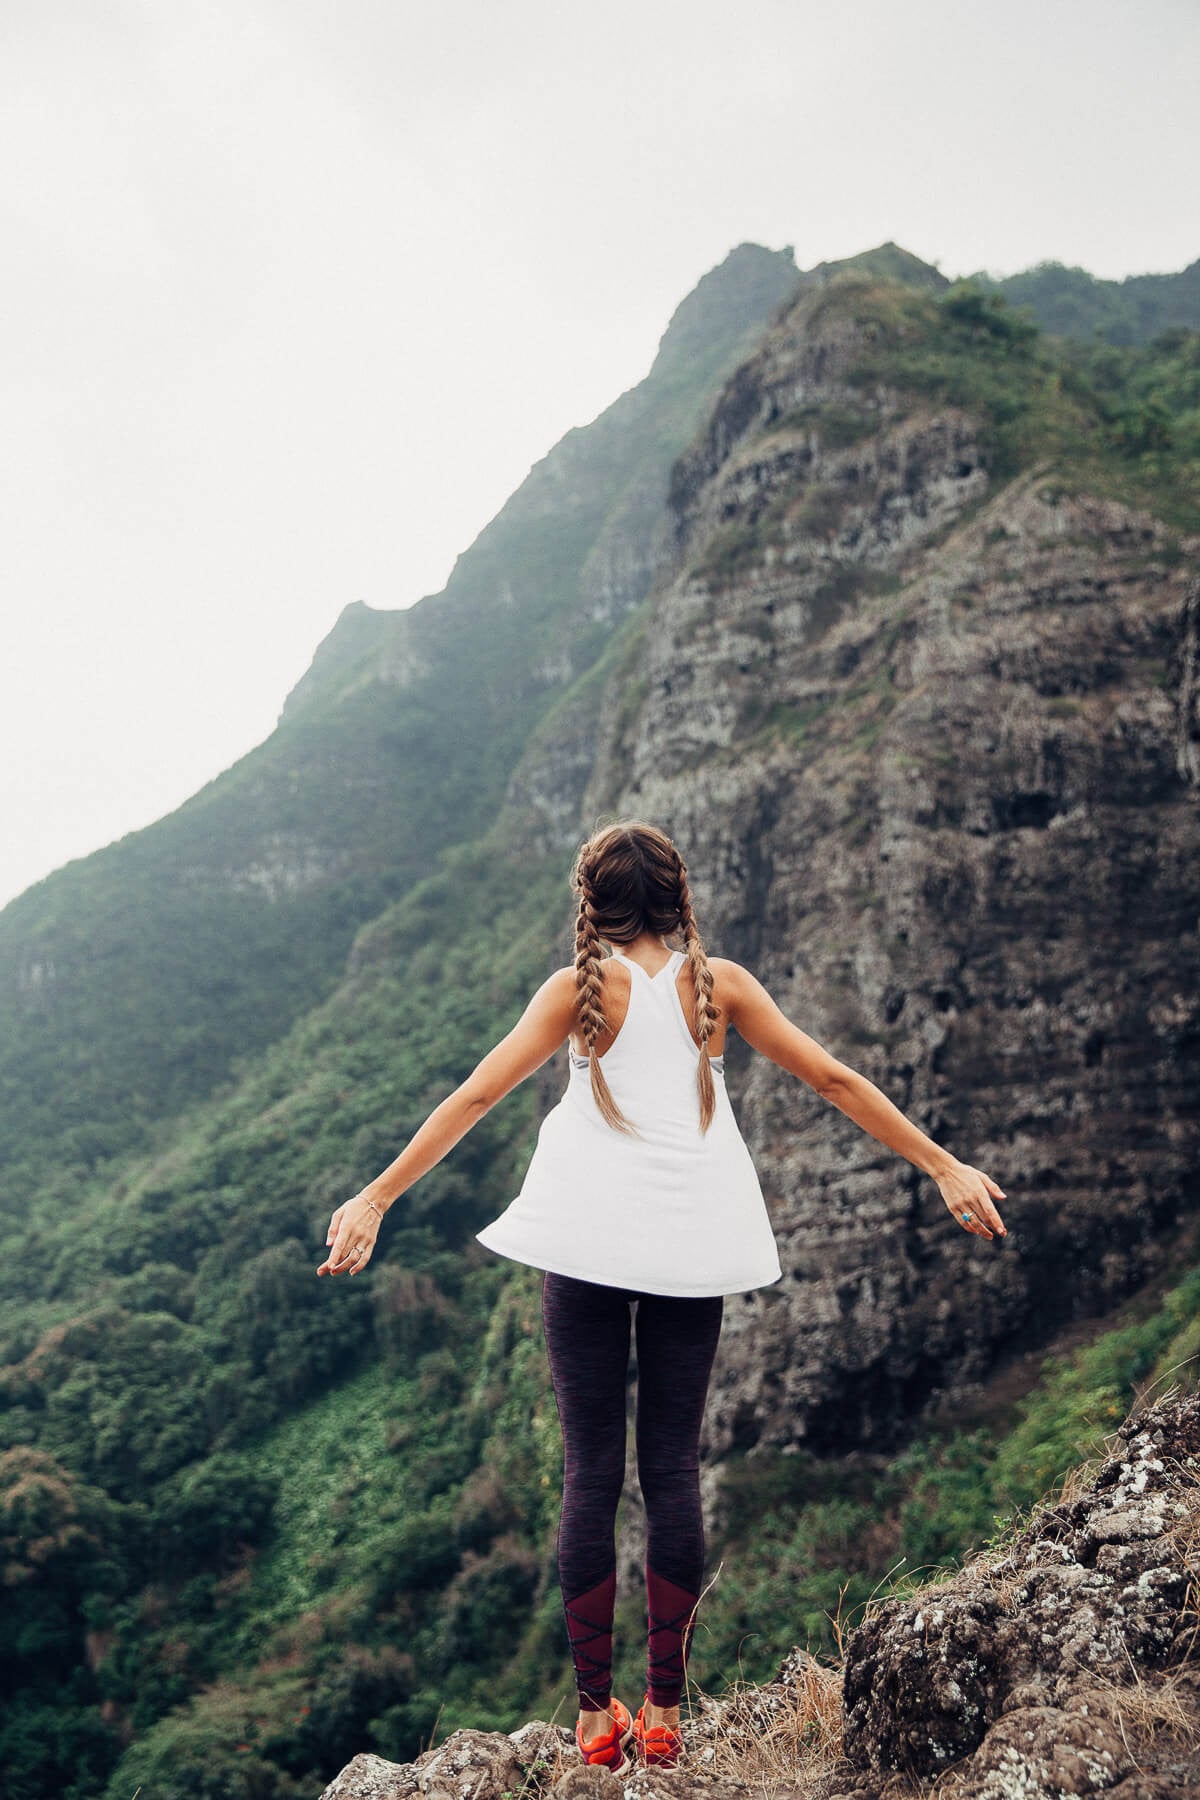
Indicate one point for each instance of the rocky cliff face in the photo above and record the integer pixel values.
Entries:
(929, 740)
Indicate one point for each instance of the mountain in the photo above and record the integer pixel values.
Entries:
(132, 980)
(897, 633)
(1078, 305)
(930, 737)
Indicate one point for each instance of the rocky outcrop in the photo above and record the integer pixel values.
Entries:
(1047, 1668)
(1062, 1663)
(470, 1765)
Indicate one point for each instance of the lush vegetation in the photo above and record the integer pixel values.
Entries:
(378, 1568)
(253, 1522)
(1072, 303)
(1125, 423)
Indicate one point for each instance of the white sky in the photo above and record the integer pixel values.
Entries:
(297, 290)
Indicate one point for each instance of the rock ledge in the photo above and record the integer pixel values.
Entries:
(1062, 1663)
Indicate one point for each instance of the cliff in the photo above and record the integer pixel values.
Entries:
(928, 731)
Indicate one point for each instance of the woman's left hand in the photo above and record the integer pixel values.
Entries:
(968, 1194)
(352, 1233)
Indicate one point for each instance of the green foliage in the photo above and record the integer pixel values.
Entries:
(208, 1513)
(1149, 404)
(834, 427)
(959, 1486)
(984, 317)
(53, 1745)
(1115, 422)
(791, 723)
(967, 348)
(784, 1585)
(172, 1409)
(213, 1752)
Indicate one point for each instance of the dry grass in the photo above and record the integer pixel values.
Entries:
(771, 1737)
(767, 1737)
(1147, 1706)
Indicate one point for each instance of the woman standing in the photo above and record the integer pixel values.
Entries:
(640, 1198)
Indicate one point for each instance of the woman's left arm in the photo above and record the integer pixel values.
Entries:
(969, 1194)
(542, 1028)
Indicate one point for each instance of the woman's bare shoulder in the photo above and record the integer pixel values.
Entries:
(559, 993)
(729, 976)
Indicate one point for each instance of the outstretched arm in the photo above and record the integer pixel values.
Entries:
(755, 1016)
(538, 1033)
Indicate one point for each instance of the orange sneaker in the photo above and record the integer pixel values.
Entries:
(608, 1750)
(658, 1746)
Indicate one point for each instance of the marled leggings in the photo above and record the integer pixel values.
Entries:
(587, 1338)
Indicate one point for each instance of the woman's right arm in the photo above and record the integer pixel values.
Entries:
(542, 1028)
(756, 1017)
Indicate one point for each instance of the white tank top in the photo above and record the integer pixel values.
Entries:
(670, 1211)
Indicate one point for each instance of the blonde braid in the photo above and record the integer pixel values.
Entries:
(706, 1013)
(592, 1022)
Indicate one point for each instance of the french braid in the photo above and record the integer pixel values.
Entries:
(592, 1022)
(706, 1014)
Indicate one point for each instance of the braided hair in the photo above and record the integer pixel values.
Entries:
(630, 878)
(706, 1014)
(592, 1021)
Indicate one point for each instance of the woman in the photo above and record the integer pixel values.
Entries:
(640, 1193)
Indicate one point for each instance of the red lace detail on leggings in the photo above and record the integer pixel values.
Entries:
(590, 1621)
(672, 1612)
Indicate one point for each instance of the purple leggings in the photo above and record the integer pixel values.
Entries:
(587, 1337)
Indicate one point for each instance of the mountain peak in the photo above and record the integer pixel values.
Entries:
(890, 261)
(747, 285)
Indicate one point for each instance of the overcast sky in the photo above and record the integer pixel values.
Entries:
(297, 290)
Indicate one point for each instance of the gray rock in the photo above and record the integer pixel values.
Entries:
(1043, 1752)
(583, 1783)
(372, 1778)
(471, 1765)
(1014, 1671)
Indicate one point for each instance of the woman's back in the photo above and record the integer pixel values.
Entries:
(618, 974)
(664, 1206)
(650, 1062)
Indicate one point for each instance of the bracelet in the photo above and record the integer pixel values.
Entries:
(374, 1209)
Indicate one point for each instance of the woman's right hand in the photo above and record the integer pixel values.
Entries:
(969, 1191)
(351, 1237)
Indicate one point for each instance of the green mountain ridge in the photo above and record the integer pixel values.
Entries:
(130, 980)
